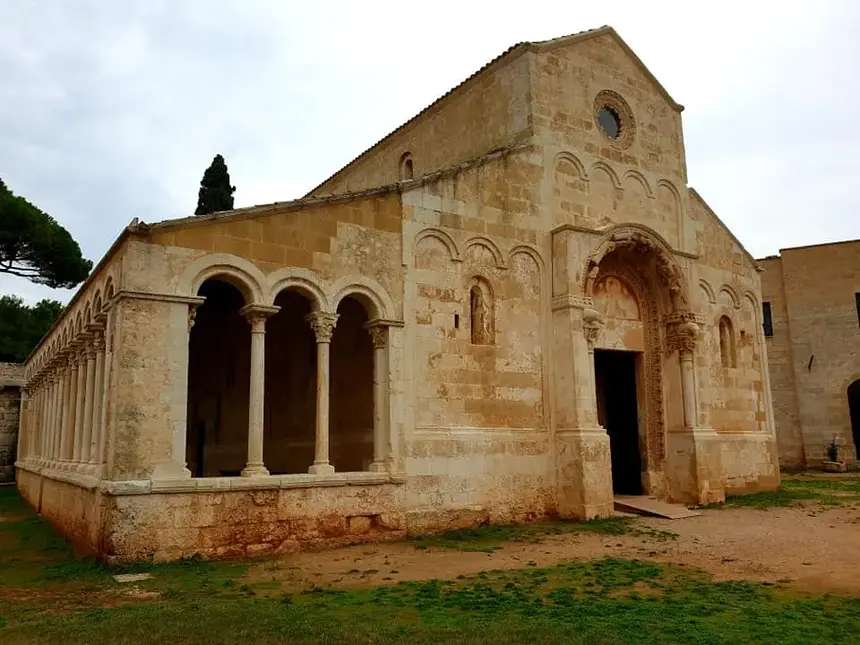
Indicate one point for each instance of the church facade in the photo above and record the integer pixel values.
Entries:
(511, 307)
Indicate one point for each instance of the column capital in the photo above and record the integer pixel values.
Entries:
(323, 324)
(256, 316)
(682, 336)
(592, 324)
(378, 333)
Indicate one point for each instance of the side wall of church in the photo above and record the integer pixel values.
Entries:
(484, 114)
(731, 363)
(475, 303)
(819, 284)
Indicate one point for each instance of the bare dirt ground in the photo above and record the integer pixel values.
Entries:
(813, 548)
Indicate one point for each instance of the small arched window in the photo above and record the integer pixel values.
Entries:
(481, 313)
(728, 357)
(406, 171)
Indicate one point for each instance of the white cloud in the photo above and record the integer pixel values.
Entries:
(110, 111)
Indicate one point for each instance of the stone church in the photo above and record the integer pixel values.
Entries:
(511, 307)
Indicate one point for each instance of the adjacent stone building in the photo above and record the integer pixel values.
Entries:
(11, 380)
(812, 328)
(510, 307)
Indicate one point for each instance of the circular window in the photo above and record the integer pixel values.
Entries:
(609, 122)
(614, 118)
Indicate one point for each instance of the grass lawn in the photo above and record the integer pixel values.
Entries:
(48, 596)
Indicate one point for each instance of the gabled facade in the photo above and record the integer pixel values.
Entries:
(511, 307)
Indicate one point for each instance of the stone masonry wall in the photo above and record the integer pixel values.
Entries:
(821, 324)
(10, 404)
(484, 114)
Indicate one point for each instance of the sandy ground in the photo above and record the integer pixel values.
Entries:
(813, 548)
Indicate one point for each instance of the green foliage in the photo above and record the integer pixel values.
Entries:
(794, 491)
(34, 246)
(21, 326)
(216, 193)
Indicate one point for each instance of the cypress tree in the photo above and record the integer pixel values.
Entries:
(216, 193)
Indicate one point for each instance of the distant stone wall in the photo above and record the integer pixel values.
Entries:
(11, 377)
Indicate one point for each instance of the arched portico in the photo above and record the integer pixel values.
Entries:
(286, 382)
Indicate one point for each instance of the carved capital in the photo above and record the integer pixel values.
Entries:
(323, 325)
(192, 314)
(256, 316)
(682, 336)
(592, 324)
(379, 336)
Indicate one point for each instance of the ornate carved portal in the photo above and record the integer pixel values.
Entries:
(645, 265)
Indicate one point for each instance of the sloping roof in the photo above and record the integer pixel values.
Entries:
(713, 214)
(504, 58)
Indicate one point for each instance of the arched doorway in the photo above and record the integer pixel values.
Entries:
(351, 403)
(636, 289)
(854, 410)
(291, 381)
(219, 367)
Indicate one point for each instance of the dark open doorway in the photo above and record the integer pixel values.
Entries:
(854, 410)
(618, 412)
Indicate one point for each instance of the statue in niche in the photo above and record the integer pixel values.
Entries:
(481, 316)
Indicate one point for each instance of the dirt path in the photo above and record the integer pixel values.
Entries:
(817, 550)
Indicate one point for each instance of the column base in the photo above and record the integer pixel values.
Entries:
(694, 466)
(378, 467)
(321, 469)
(584, 473)
(255, 470)
(170, 470)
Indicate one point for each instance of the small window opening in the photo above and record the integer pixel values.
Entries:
(767, 320)
(727, 343)
(456, 321)
(406, 171)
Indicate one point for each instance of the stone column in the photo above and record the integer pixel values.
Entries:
(89, 398)
(592, 324)
(107, 354)
(43, 418)
(686, 343)
(68, 433)
(256, 316)
(323, 325)
(693, 453)
(583, 464)
(56, 418)
(98, 395)
(80, 394)
(379, 335)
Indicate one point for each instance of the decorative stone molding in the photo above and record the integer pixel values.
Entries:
(682, 336)
(639, 241)
(323, 325)
(571, 302)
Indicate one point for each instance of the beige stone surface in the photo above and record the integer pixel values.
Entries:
(11, 380)
(424, 348)
(814, 352)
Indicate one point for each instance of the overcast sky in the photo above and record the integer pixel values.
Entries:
(112, 109)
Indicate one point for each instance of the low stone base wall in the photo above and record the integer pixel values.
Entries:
(239, 523)
(75, 511)
(749, 462)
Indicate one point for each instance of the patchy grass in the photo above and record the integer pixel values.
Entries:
(49, 596)
(607, 601)
(486, 539)
(793, 491)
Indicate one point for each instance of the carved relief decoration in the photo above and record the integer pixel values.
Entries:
(637, 242)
